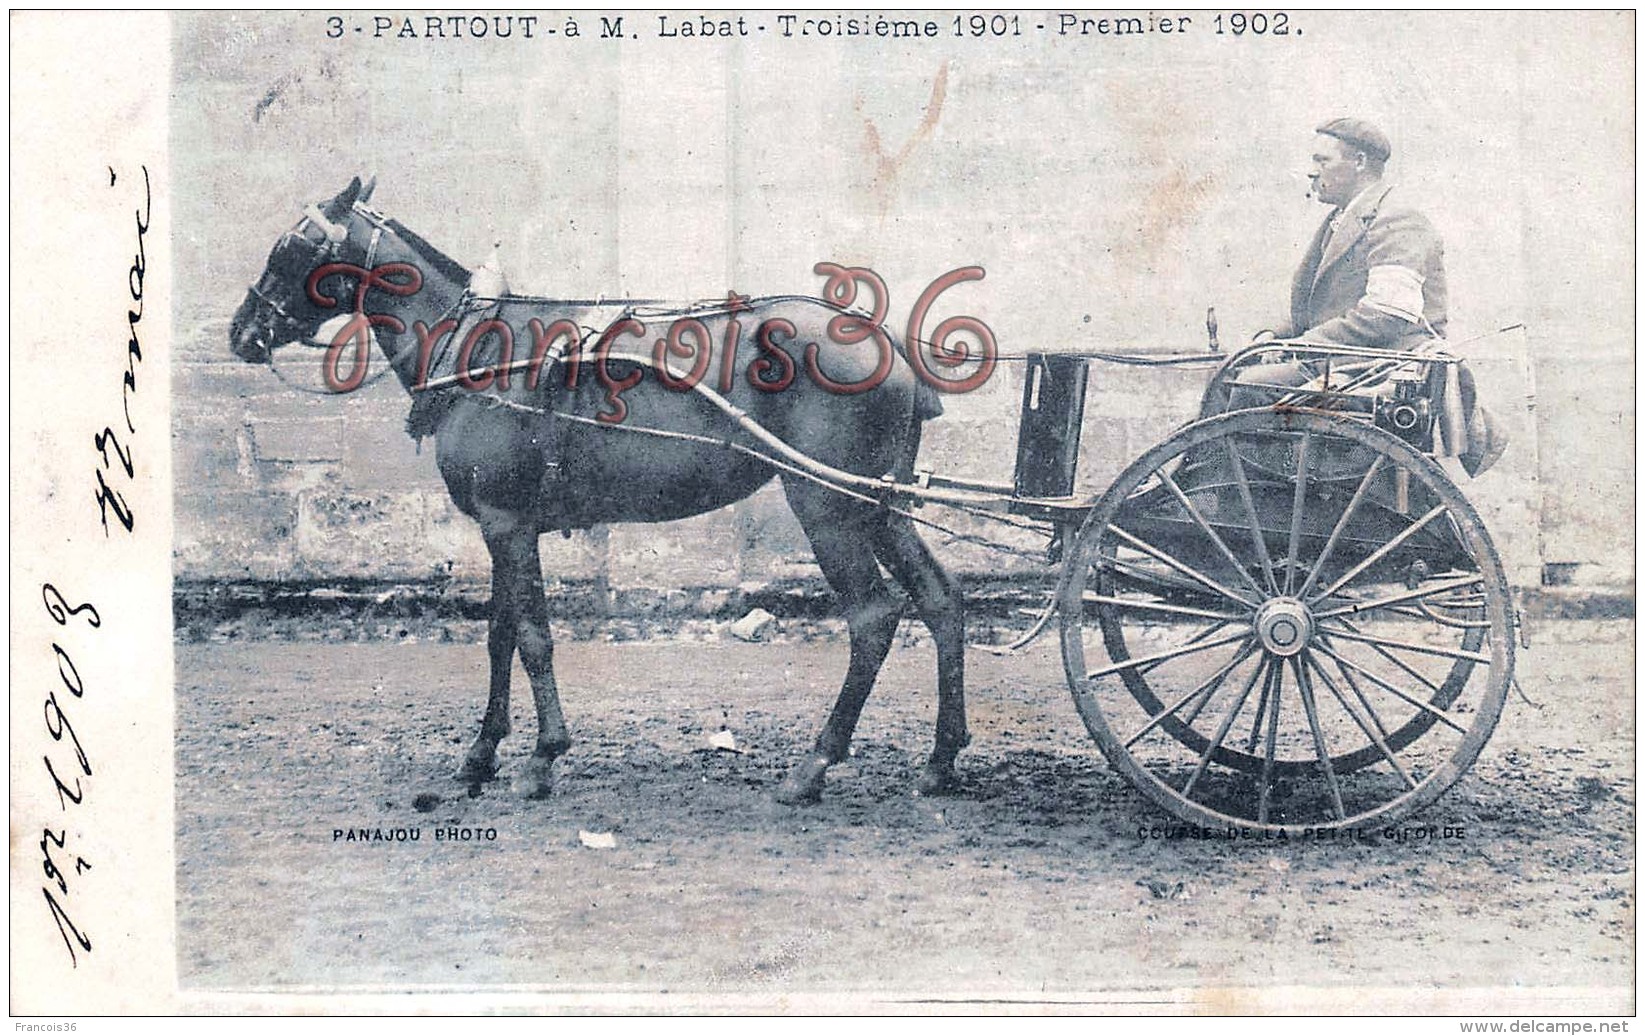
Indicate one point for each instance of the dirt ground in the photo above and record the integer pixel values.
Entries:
(1041, 880)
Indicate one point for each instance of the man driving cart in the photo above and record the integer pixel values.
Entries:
(1373, 276)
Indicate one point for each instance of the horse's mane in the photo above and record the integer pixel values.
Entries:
(444, 264)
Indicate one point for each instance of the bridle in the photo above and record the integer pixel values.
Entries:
(328, 249)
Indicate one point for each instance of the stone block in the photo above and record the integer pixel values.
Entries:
(974, 448)
(351, 536)
(1108, 445)
(770, 542)
(970, 545)
(219, 386)
(287, 405)
(298, 441)
(453, 543)
(581, 557)
(378, 455)
(234, 535)
(207, 450)
(696, 552)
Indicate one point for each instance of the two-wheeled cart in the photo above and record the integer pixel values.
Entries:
(1284, 617)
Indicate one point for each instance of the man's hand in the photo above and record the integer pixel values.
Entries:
(1271, 355)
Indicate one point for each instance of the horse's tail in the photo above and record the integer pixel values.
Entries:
(908, 445)
(927, 405)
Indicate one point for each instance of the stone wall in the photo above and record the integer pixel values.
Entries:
(1111, 198)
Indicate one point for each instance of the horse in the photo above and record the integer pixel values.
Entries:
(520, 472)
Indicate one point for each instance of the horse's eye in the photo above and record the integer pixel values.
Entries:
(295, 257)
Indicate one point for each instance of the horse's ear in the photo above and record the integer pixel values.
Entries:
(365, 192)
(339, 206)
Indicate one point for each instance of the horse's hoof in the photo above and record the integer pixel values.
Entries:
(537, 780)
(804, 783)
(478, 768)
(937, 780)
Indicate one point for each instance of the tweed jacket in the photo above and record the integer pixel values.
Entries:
(1371, 281)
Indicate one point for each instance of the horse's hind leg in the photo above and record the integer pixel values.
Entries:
(841, 532)
(941, 605)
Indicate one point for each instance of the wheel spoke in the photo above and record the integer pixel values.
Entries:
(1358, 607)
(1391, 689)
(1389, 656)
(1208, 688)
(1380, 553)
(1222, 732)
(1199, 706)
(1423, 649)
(1275, 678)
(1364, 701)
(1133, 567)
(1199, 577)
(1257, 538)
(1209, 631)
(1379, 649)
(1158, 606)
(1155, 580)
(1162, 656)
(1291, 558)
(1306, 689)
(1341, 526)
(1256, 724)
(1375, 736)
(1205, 527)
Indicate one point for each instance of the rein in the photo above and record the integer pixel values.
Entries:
(336, 236)
(392, 365)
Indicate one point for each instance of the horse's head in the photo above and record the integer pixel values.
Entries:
(277, 309)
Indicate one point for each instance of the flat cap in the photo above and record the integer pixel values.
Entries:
(1360, 134)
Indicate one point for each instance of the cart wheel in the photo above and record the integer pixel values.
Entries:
(1306, 625)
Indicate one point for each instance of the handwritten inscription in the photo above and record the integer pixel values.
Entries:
(67, 765)
(67, 762)
(115, 455)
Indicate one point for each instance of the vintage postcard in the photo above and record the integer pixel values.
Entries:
(823, 511)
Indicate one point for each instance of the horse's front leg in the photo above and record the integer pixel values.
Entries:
(502, 635)
(514, 552)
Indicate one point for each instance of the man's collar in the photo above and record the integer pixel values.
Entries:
(1360, 200)
(1344, 232)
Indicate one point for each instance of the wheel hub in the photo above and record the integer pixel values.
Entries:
(1284, 626)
